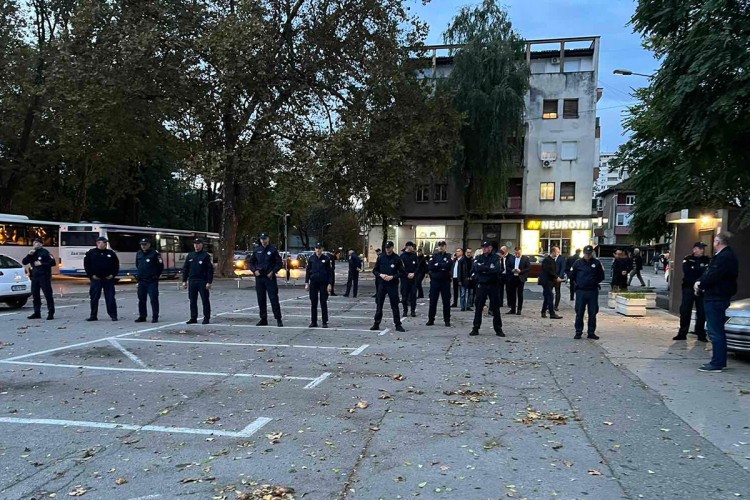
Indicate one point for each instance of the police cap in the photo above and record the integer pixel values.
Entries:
(410, 244)
(318, 245)
(102, 238)
(486, 244)
(588, 249)
(441, 243)
(144, 241)
(389, 244)
(263, 236)
(198, 241)
(699, 244)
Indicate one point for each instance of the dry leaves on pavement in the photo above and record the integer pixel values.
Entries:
(78, 491)
(268, 492)
(532, 416)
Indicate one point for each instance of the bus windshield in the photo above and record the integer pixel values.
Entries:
(78, 238)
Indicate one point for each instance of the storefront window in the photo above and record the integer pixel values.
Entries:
(555, 238)
(428, 236)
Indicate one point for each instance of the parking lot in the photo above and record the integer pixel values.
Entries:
(136, 411)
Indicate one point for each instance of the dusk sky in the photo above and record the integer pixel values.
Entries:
(535, 19)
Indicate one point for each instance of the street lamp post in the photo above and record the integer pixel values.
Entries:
(627, 72)
(218, 200)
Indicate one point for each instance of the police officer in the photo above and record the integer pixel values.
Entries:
(486, 271)
(409, 284)
(439, 267)
(693, 267)
(102, 265)
(41, 262)
(352, 280)
(334, 256)
(388, 268)
(319, 281)
(377, 283)
(265, 263)
(197, 276)
(149, 267)
(587, 274)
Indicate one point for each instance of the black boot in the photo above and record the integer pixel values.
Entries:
(35, 316)
(499, 332)
(50, 316)
(205, 321)
(400, 328)
(312, 325)
(474, 332)
(141, 319)
(263, 322)
(191, 321)
(375, 327)
(430, 322)
(279, 323)
(413, 313)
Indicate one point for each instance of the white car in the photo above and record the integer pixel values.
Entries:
(15, 286)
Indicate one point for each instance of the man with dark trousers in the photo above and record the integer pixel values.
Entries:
(149, 267)
(503, 254)
(517, 268)
(468, 285)
(587, 274)
(388, 268)
(421, 272)
(486, 270)
(693, 267)
(352, 279)
(334, 257)
(101, 266)
(562, 273)
(409, 282)
(636, 265)
(548, 280)
(319, 282)
(377, 283)
(569, 263)
(717, 285)
(621, 267)
(265, 263)
(41, 262)
(197, 276)
(439, 267)
(458, 263)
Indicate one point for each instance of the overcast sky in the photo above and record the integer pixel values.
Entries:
(535, 19)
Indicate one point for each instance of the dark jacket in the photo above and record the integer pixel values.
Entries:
(719, 281)
(440, 266)
(101, 263)
(692, 269)
(524, 266)
(319, 269)
(560, 264)
(464, 269)
(198, 266)
(355, 263)
(149, 265)
(410, 262)
(570, 262)
(618, 266)
(549, 271)
(587, 274)
(46, 263)
(486, 269)
(390, 265)
(467, 271)
(332, 256)
(423, 269)
(265, 260)
(638, 262)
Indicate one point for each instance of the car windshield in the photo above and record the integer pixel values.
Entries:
(8, 263)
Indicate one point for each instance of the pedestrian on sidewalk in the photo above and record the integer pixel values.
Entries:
(149, 266)
(319, 282)
(486, 270)
(352, 279)
(548, 279)
(410, 262)
(569, 263)
(562, 273)
(440, 284)
(637, 267)
(41, 262)
(265, 263)
(388, 269)
(621, 267)
(693, 267)
(197, 276)
(717, 285)
(517, 270)
(102, 266)
(587, 274)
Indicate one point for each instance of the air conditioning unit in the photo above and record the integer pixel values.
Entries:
(548, 163)
(555, 60)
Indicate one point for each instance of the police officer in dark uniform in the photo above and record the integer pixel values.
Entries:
(587, 274)
(149, 267)
(334, 256)
(197, 276)
(102, 265)
(377, 282)
(486, 272)
(388, 268)
(693, 267)
(265, 263)
(319, 281)
(421, 272)
(352, 279)
(41, 262)
(409, 283)
(439, 267)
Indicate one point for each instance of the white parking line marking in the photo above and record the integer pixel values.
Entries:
(8, 314)
(318, 381)
(255, 307)
(384, 332)
(65, 307)
(241, 344)
(248, 431)
(330, 328)
(359, 350)
(330, 316)
(135, 359)
(353, 309)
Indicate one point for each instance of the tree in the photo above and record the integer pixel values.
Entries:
(691, 129)
(488, 82)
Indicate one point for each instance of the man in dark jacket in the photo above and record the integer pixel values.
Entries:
(562, 273)
(334, 257)
(486, 271)
(637, 267)
(548, 279)
(149, 267)
(319, 281)
(197, 276)
(102, 265)
(352, 279)
(41, 262)
(621, 267)
(421, 272)
(458, 263)
(388, 268)
(517, 269)
(265, 263)
(718, 284)
(587, 274)
(439, 267)
(569, 263)
(467, 283)
(377, 283)
(693, 267)
(409, 282)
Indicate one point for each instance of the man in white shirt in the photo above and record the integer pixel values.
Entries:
(456, 274)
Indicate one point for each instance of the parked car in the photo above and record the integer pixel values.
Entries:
(536, 265)
(297, 260)
(738, 327)
(15, 285)
(240, 262)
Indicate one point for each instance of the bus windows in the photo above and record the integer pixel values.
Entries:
(78, 238)
(127, 242)
(48, 234)
(13, 234)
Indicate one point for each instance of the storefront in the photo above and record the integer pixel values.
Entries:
(539, 235)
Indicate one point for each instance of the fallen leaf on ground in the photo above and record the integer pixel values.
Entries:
(268, 492)
(121, 480)
(363, 404)
(594, 472)
(187, 480)
(212, 420)
(78, 491)
(274, 437)
(398, 376)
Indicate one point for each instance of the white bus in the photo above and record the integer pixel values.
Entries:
(17, 234)
(173, 245)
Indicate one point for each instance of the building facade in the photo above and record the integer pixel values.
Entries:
(616, 209)
(550, 195)
(606, 177)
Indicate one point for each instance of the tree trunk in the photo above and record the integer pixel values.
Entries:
(467, 211)
(384, 225)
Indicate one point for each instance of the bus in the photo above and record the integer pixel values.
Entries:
(173, 245)
(17, 234)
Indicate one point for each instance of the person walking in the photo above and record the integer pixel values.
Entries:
(562, 273)
(377, 283)
(457, 264)
(517, 269)
(410, 262)
(388, 269)
(352, 279)
(41, 262)
(467, 284)
(569, 263)
(319, 282)
(102, 265)
(693, 267)
(587, 274)
(265, 263)
(149, 266)
(637, 267)
(197, 276)
(717, 285)
(487, 269)
(548, 279)
(440, 284)
(621, 267)
(421, 272)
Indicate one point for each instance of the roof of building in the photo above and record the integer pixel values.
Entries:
(624, 186)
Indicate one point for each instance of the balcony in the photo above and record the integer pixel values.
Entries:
(513, 204)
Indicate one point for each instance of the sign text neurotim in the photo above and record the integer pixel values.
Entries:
(578, 224)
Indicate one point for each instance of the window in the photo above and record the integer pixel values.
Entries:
(549, 151)
(78, 238)
(569, 150)
(423, 193)
(549, 109)
(127, 242)
(570, 108)
(441, 192)
(624, 219)
(8, 263)
(630, 199)
(547, 191)
(572, 65)
(567, 191)
(599, 204)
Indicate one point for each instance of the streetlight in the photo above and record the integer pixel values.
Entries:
(218, 200)
(627, 72)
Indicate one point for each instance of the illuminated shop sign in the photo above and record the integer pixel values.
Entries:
(574, 224)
